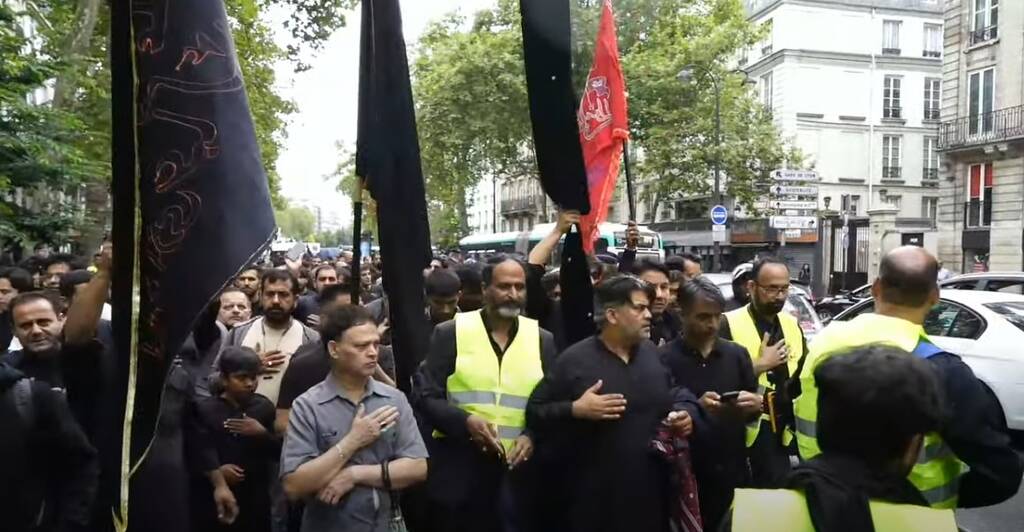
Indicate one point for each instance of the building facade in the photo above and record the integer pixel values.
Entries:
(982, 136)
(482, 207)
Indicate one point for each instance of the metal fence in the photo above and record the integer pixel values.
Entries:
(997, 126)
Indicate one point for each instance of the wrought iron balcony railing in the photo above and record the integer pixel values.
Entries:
(981, 35)
(997, 126)
(892, 172)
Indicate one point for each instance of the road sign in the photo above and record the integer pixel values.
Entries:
(719, 215)
(795, 175)
(718, 233)
(787, 190)
(805, 205)
(793, 233)
(794, 222)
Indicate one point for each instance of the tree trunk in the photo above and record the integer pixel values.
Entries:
(78, 43)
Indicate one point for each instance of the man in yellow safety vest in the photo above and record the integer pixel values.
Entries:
(477, 379)
(776, 344)
(968, 461)
(875, 406)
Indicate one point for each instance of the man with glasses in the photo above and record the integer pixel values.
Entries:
(776, 344)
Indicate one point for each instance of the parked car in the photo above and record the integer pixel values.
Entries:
(1005, 282)
(798, 303)
(986, 329)
(831, 306)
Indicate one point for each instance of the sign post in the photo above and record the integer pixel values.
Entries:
(719, 216)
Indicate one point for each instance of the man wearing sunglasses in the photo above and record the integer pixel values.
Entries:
(776, 344)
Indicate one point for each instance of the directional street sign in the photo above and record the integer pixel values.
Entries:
(793, 233)
(719, 215)
(795, 175)
(794, 222)
(785, 190)
(805, 205)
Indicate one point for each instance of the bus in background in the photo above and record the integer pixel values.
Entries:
(614, 235)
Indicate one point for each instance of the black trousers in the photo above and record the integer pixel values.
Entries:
(769, 460)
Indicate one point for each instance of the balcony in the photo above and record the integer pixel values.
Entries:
(930, 174)
(515, 205)
(890, 51)
(892, 172)
(987, 128)
(931, 114)
(932, 53)
(983, 35)
(892, 112)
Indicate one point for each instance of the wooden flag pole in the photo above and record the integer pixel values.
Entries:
(630, 195)
(357, 236)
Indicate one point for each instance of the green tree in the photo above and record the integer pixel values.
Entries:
(41, 163)
(296, 222)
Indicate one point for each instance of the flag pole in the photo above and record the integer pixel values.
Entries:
(357, 235)
(630, 195)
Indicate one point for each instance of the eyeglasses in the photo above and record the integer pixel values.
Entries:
(774, 290)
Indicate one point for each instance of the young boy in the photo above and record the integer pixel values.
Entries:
(235, 442)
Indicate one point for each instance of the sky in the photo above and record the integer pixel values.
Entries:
(327, 96)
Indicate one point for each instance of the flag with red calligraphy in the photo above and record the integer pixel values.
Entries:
(604, 125)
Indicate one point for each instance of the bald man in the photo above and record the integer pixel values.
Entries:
(968, 462)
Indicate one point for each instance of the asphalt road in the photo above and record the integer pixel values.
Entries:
(1006, 517)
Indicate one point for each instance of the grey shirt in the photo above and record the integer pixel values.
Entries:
(319, 419)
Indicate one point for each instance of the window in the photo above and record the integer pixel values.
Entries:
(767, 91)
(891, 37)
(891, 97)
(985, 21)
(930, 208)
(850, 204)
(891, 162)
(931, 159)
(1009, 286)
(953, 321)
(766, 44)
(979, 189)
(1013, 312)
(744, 56)
(932, 40)
(981, 91)
(932, 94)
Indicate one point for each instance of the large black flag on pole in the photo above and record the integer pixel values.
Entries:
(388, 160)
(192, 205)
(556, 136)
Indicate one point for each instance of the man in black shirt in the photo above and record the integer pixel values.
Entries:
(604, 403)
(711, 368)
(13, 281)
(307, 308)
(664, 325)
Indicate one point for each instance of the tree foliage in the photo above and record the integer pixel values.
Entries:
(474, 120)
(296, 222)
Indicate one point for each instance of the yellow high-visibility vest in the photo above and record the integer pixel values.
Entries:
(938, 471)
(493, 391)
(744, 332)
(786, 511)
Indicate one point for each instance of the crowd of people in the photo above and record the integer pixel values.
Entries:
(683, 411)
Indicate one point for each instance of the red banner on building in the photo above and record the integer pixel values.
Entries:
(604, 125)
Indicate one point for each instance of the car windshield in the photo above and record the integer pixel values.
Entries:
(1012, 312)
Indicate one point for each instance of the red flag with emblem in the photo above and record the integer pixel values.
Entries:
(604, 125)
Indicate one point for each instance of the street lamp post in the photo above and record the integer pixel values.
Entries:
(687, 75)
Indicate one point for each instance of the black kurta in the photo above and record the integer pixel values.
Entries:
(616, 481)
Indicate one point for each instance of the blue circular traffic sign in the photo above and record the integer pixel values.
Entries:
(719, 215)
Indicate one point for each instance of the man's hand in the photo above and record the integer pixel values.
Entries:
(680, 423)
(337, 488)
(771, 356)
(597, 407)
(313, 320)
(566, 219)
(521, 451)
(105, 260)
(233, 474)
(712, 403)
(749, 403)
(366, 429)
(227, 506)
(632, 236)
(485, 435)
(246, 426)
(272, 360)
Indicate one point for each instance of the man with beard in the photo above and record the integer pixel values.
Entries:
(248, 281)
(443, 290)
(664, 325)
(307, 310)
(476, 380)
(775, 342)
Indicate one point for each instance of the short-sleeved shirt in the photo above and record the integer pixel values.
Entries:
(310, 365)
(319, 419)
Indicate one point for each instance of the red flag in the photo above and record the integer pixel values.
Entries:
(604, 125)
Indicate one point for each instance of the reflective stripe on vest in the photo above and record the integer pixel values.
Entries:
(493, 391)
(786, 511)
(937, 472)
(744, 332)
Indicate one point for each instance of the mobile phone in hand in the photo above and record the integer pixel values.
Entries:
(730, 397)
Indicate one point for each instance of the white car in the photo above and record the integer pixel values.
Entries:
(987, 330)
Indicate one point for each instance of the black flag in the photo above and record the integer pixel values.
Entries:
(388, 160)
(193, 205)
(553, 105)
